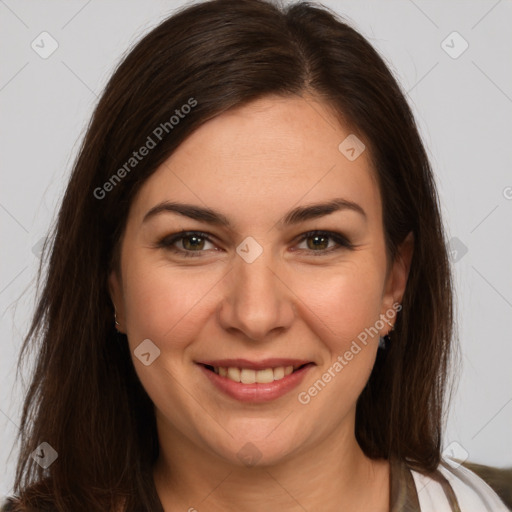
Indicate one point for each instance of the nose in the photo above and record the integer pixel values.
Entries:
(257, 301)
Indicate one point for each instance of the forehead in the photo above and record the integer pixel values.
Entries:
(264, 158)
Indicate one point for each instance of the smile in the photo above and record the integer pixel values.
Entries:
(248, 376)
(249, 381)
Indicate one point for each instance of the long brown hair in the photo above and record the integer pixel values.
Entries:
(85, 399)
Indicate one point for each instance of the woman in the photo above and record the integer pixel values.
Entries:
(248, 302)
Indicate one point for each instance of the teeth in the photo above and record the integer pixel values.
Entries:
(234, 374)
(278, 373)
(247, 376)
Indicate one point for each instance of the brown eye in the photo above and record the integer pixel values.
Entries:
(192, 242)
(317, 242)
(323, 242)
(185, 243)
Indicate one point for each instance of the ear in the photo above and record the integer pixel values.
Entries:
(115, 288)
(396, 280)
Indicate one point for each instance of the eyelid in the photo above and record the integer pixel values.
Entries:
(168, 241)
(341, 240)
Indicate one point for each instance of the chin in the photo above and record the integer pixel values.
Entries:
(257, 447)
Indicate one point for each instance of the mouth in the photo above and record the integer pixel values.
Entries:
(255, 381)
(252, 376)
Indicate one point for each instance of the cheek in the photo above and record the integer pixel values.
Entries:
(169, 306)
(344, 302)
(343, 311)
(165, 304)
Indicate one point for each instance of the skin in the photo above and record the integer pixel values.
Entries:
(254, 164)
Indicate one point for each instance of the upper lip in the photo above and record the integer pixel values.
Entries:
(255, 365)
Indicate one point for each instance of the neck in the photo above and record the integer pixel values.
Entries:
(331, 475)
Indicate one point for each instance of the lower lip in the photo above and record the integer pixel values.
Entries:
(257, 392)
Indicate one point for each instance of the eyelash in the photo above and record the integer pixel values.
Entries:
(168, 242)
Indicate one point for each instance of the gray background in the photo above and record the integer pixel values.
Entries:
(463, 106)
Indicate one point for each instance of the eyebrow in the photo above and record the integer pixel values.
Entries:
(295, 216)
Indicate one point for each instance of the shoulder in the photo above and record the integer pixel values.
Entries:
(500, 479)
(456, 483)
(37, 496)
(8, 505)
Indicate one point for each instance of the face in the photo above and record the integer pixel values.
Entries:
(260, 284)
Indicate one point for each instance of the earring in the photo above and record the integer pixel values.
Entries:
(115, 318)
(384, 341)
